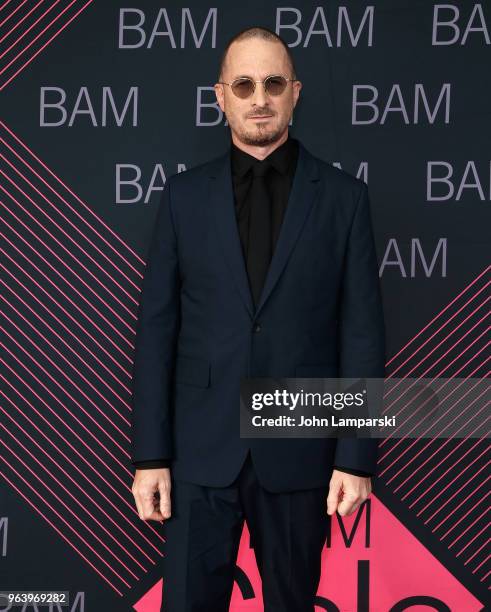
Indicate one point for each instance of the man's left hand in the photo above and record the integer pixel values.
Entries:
(347, 492)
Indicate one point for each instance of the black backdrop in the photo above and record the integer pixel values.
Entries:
(101, 101)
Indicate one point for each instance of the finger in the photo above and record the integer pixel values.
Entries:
(333, 496)
(136, 497)
(148, 506)
(144, 512)
(165, 501)
(138, 505)
(353, 509)
(349, 503)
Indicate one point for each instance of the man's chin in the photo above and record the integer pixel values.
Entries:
(260, 139)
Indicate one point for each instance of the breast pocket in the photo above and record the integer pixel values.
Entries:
(192, 371)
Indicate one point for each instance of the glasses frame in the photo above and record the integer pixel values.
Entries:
(270, 76)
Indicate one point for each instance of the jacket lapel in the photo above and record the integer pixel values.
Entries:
(222, 201)
(302, 196)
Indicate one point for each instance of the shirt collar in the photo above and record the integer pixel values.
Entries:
(282, 158)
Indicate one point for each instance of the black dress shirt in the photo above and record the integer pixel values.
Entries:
(283, 161)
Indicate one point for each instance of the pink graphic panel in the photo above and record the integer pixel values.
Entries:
(399, 567)
(395, 567)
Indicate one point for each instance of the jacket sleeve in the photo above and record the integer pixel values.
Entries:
(361, 327)
(157, 328)
(350, 471)
(152, 464)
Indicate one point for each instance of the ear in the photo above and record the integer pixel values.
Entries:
(297, 86)
(218, 87)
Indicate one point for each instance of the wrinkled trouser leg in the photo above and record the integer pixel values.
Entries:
(288, 531)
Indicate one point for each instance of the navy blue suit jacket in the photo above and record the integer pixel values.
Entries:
(320, 314)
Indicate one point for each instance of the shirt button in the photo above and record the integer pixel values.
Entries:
(257, 328)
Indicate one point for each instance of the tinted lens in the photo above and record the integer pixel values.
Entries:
(243, 88)
(275, 85)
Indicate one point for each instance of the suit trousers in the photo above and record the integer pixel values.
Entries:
(287, 532)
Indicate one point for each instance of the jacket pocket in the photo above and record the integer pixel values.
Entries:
(192, 371)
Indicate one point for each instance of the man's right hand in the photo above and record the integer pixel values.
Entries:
(146, 485)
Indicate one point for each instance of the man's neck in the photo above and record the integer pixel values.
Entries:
(259, 152)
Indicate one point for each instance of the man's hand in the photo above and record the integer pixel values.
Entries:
(148, 486)
(347, 492)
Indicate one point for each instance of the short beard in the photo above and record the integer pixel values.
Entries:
(260, 140)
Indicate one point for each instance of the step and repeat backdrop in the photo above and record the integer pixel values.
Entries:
(100, 103)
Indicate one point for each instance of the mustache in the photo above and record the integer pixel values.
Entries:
(261, 113)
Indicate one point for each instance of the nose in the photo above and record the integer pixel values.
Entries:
(259, 97)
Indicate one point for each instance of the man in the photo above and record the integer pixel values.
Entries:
(262, 263)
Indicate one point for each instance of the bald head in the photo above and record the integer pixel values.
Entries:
(261, 34)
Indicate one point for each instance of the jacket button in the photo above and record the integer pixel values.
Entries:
(257, 328)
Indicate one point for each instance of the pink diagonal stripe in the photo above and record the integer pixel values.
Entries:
(84, 331)
(391, 450)
(90, 417)
(437, 316)
(65, 391)
(82, 490)
(443, 341)
(45, 44)
(70, 348)
(77, 371)
(388, 452)
(456, 508)
(441, 477)
(437, 451)
(476, 552)
(72, 225)
(440, 493)
(485, 511)
(481, 564)
(441, 404)
(451, 363)
(65, 295)
(4, 5)
(60, 533)
(11, 14)
(89, 464)
(76, 515)
(70, 254)
(72, 529)
(24, 34)
(81, 202)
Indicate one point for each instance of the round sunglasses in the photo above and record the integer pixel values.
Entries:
(244, 87)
